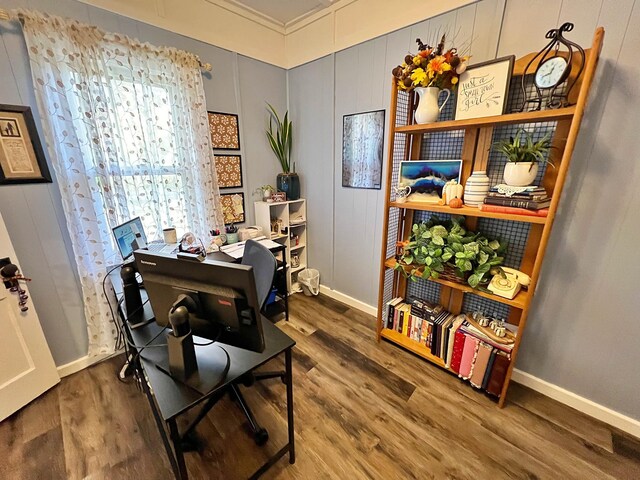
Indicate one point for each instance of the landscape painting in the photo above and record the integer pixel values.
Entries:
(428, 177)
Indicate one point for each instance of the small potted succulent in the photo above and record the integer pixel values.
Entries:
(265, 192)
(523, 157)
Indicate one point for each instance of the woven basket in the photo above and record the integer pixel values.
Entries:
(449, 274)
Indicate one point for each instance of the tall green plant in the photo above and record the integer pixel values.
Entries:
(522, 148)
(280, 140)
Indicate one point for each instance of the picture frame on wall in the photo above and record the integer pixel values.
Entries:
(228, 171)
(483, 89)
(233, 207)
(22, 158)
(225, 131)
(362, 149)
(427, 178)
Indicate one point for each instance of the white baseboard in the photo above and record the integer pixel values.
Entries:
(584, 405)
(82, 363)
(346, 299)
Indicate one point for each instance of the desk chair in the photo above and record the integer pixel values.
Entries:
(264, 266)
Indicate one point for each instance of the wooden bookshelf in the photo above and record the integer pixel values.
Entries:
(405, 143)
(468, 212)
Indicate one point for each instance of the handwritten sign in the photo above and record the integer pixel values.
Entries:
(483, 89)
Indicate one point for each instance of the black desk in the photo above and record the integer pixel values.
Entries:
(169, 398)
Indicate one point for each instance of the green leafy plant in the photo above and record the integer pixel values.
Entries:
(260, 190)
(280, 139)
(437, 246)
(522, 148)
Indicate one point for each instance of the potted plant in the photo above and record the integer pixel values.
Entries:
(280, 141)
(523, 156)
(446, 249)
(265, 192)
(431, 71)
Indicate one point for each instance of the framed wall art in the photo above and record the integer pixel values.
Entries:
(483, 89)
(229, 171)
(232, 207)
(22, 158)
(428, 177)
(225, 132)
(362, 149)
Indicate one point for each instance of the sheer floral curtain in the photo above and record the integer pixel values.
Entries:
(127, 133)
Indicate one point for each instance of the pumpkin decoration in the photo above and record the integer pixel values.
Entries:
(455, 203)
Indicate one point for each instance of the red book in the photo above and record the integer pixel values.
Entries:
(514, 211)
(458, 347)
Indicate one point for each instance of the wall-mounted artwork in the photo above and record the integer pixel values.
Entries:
(229, 171)
(483, 89)
(233, 207)
(225, 133)
(428, 177)
(21, 156)
(362, 144)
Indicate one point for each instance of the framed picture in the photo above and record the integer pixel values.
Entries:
(232, 207)
(483, 89)
(225, 133)
(428, 177)
(21, 155)
(279, 197)
(229, 171)
(362, 145)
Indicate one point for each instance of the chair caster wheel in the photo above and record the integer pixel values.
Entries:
(261, 437)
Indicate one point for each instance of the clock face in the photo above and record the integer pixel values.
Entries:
(550, 72)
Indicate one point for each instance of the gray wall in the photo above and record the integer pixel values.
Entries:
(33, 214)
(583, 329)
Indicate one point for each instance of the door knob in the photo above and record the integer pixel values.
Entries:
(12, 277)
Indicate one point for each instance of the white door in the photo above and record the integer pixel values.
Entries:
(26, 366)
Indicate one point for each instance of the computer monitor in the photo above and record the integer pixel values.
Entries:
(130, 237)
(225, 302)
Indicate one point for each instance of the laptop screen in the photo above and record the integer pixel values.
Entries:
(130, 236)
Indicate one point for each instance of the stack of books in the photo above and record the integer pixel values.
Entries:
(465, 350)
(532, 201)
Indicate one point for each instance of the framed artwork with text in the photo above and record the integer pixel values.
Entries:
(225, 133)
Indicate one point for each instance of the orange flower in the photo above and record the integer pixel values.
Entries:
(437, 66)
(425, 53)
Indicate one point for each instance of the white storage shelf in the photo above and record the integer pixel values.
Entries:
(293, 217)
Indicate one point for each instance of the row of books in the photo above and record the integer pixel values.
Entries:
(532, 200)
(465, 350)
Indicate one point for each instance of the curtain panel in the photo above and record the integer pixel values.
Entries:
(127, 133)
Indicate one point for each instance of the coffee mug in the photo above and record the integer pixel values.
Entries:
(402, 192)
(170, 235)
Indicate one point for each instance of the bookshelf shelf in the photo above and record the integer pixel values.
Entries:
(508, 119)
(412, 346)
(519, 302)
(529, 235)
(467, 212)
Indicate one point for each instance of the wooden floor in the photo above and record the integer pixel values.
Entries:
(363, 411)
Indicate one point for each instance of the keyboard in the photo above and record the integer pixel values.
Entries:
(164, 248)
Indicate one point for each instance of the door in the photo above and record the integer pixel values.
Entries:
(26, 366)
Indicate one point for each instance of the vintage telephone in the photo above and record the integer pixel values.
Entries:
(508, 285)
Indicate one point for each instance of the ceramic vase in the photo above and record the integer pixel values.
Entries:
(289, 183)
(476, 189)
(520, 174)
(428, 109)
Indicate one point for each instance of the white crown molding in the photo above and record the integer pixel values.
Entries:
(250, 14)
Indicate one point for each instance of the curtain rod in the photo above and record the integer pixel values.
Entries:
(4, 15)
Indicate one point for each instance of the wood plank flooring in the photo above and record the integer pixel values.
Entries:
(363, 411)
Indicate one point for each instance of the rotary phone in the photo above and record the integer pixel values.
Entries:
(508, 283)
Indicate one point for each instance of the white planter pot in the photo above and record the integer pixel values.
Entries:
(476, 189)
(520, 174)
(428, 109)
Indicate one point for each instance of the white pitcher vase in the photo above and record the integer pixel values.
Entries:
(428, 109)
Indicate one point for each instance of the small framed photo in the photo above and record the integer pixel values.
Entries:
(229, 171)
(279, 197)
(22, 158)
(232, 207)
(225, 132)
(362, 149)
(483, 89)
(427, 178)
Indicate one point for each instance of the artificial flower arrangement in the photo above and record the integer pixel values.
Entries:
(431, 67)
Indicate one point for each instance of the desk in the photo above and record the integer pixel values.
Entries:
(169, 398)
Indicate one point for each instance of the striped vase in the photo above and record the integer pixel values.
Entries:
(476, 189)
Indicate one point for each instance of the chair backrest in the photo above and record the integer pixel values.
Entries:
(264, 266)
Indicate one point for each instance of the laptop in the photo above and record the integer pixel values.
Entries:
(130, 237)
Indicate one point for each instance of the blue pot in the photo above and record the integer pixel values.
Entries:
(289, 183)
